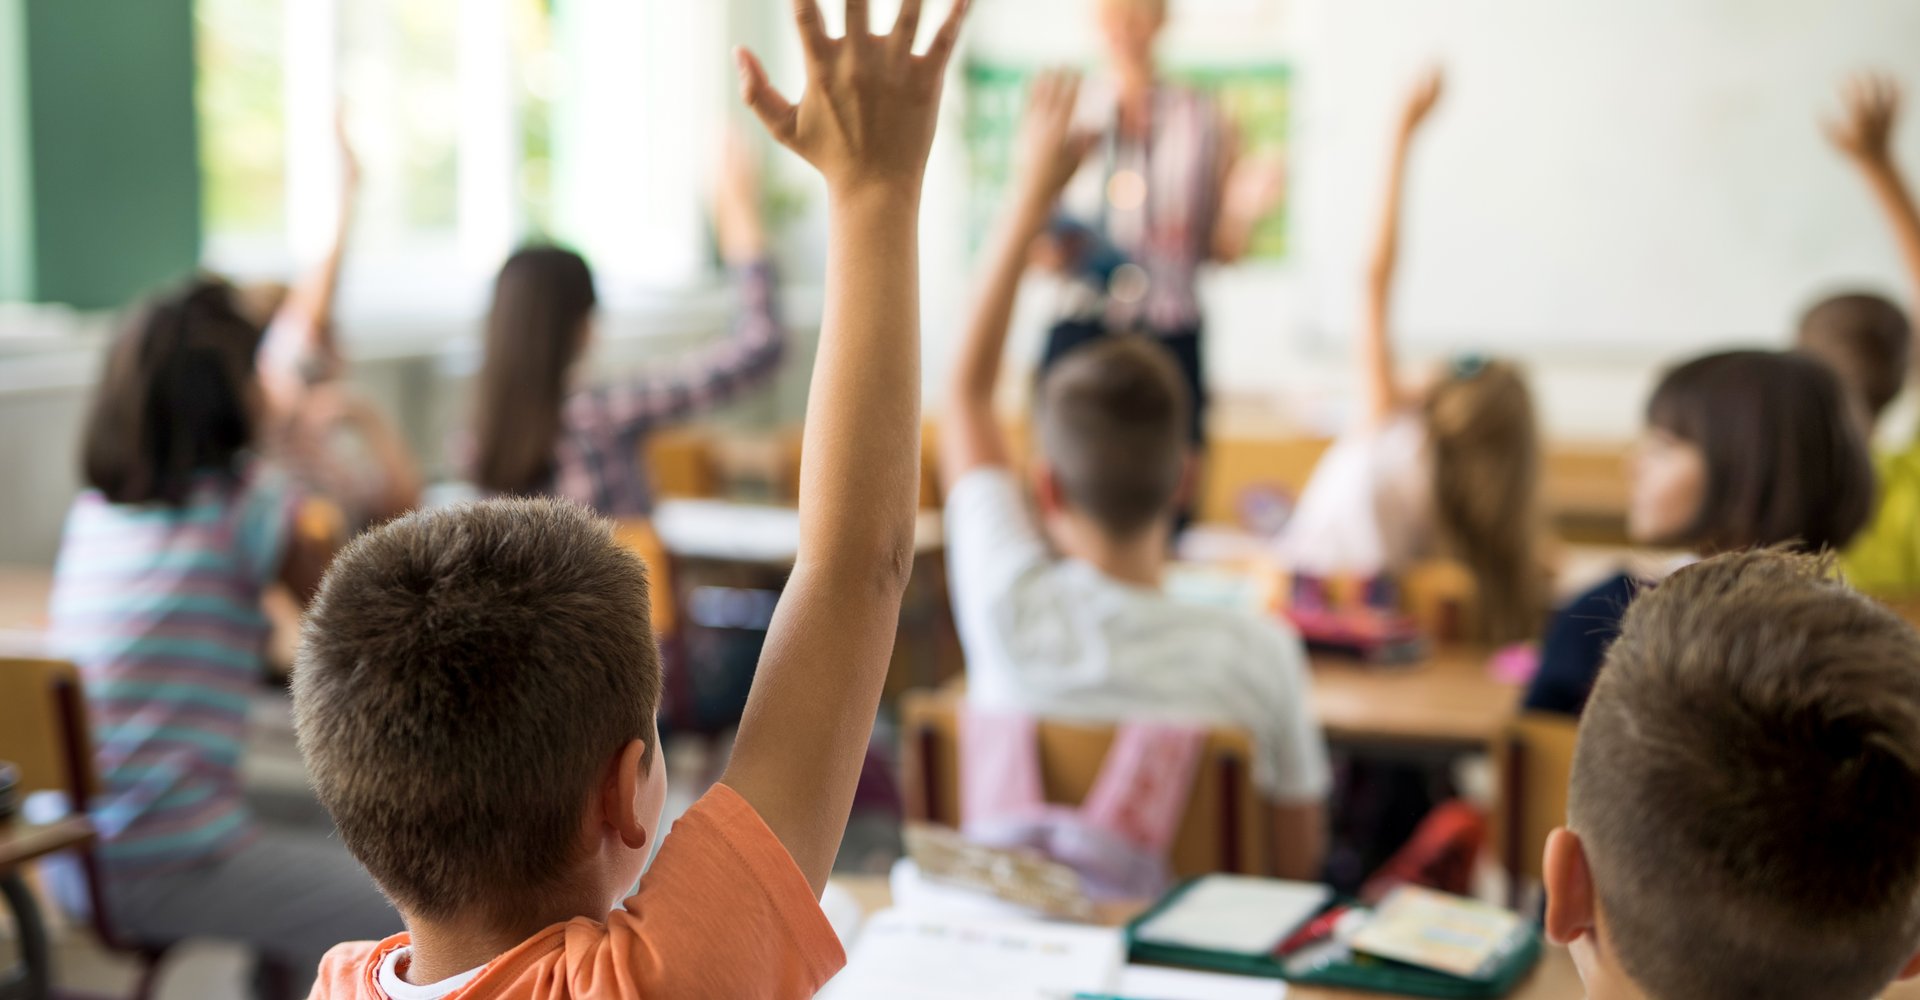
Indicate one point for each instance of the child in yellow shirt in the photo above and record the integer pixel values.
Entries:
(476, 689)
(1868, 340)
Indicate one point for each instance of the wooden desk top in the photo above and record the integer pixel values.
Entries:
(22, 842)
(1448, 701)
(1554, 979)
(23, 609)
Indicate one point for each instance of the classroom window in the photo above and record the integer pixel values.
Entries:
(243, 116)
(400, 82)
(469, 118)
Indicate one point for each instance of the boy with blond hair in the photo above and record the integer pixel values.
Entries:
(1746, 792)
(476, 690)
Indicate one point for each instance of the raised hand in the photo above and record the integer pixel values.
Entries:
(349, 160)
(1255, 186)
(1050, 148)
(1871, 109)
(1421, 99)
(736, 203)
(868, 114)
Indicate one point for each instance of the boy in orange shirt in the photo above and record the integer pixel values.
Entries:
(476, 690)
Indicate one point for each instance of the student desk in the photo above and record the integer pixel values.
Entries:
(1447, 703)
(1554, 979)
(23, 609)
(730, 560)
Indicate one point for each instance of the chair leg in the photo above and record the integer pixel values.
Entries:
(32, 979)
(149, 981)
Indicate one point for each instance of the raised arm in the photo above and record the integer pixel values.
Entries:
(1051, 150)
(1865, 135)
(1378, 374)
(748, 357)
(866, 123)
(1251, 184)
(299, 348)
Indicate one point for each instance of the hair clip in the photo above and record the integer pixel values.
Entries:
(1470, 365)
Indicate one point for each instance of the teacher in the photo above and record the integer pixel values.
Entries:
(1164, 191)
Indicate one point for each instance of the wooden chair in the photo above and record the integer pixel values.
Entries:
(43, 729)
(1226, 827)
(1535, 763)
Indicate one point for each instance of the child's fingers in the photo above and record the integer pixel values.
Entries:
(906, 27)
(813, 30)
(1069, 95)
(1082, 144)
(949, 36)
(857, 21)
(1836, 133)
(1040, 97)
(774, 111)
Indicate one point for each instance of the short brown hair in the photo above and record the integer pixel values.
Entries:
(176, 400)
(1747, 785)
(1112, 419)
(1786, 464)
(464, 677)
(1866, 340)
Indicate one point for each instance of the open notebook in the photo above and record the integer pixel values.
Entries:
(932, 956)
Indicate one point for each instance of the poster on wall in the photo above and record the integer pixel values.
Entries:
(1256, 97)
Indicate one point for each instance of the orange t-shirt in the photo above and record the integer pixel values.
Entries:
(723, 912)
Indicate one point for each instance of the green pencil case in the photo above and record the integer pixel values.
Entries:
(1349, 971)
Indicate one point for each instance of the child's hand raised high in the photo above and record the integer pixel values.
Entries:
(1051, 149)
(1422, 99)
(868, 114)
(1865, 132)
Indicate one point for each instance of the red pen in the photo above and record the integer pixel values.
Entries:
(1318, 929)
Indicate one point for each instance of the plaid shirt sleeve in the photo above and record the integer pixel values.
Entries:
(716, 375)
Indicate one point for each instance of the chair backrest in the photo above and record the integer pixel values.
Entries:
(639, 535)
(43, 727)
(680, 463)
(1535, 764)
(1227, 826)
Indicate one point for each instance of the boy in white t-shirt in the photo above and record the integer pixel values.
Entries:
(1092, 635)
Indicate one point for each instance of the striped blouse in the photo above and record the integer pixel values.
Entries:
(160, 607)
(1156, 198)
(598, 461)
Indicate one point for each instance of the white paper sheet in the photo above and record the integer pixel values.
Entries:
(1146, 982)
(1237, 914)
(934, 957)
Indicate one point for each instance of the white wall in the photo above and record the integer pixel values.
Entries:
(1610, 186)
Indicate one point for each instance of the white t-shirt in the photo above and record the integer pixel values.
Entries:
(1368, 508)
(1059, 638)
(399, 989)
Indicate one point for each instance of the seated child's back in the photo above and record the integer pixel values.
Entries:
(1745, 793)
(1093, 634)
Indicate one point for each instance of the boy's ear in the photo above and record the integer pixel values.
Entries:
(620, 794)
(1571, 913)
(1047, 493)
(1189, 480)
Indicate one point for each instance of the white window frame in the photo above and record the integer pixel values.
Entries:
(637, 214)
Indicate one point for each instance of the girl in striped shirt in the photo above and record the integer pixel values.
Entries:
(157, 598)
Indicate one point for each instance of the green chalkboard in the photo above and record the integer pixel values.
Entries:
(1258, 98)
